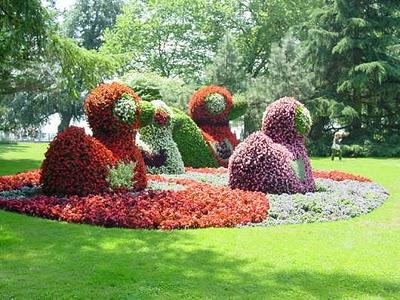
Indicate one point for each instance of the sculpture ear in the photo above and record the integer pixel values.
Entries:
(238, 109)
(147, 111)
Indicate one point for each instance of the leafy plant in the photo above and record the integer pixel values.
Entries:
(120, 175)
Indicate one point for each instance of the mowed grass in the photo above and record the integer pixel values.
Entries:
(360, 258)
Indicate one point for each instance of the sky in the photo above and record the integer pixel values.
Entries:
(63, 4)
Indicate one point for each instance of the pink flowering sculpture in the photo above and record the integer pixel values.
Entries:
(274, 159)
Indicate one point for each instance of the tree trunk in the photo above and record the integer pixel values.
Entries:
(65, 120)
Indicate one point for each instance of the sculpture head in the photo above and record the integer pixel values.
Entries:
(214, 105)
(286, 119)
(156, 113)
(112, 108)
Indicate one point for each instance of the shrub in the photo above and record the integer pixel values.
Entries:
(156, 141)
(113, 111)
(76, 164)
(274, 160)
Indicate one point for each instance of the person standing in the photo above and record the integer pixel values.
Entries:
(336, 144)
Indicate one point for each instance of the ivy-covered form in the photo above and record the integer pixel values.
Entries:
(211, 108)
(113, 113)
(194, 149)
(274, 160)
(160, 152)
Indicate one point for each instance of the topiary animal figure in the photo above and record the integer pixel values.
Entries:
(113, 113)
(160, 152)
(211, 108)
(274, 160)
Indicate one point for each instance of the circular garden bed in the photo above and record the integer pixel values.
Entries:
(197, 198)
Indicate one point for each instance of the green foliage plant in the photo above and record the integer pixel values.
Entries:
(120, 176)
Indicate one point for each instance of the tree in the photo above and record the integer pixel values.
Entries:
(226, 67)
(171, 38)
(23, 36)
(259, 23)
(66, 72)
(87, 20)
(351, 49)
(151, 86)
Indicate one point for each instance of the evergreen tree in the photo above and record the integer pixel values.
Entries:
(352, 50)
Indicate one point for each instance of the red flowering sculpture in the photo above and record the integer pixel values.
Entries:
(76, 164)
(114, 116)
(274, 160)
(211, 108)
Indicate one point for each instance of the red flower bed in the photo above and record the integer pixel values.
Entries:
(13, 182)
(199, 205)
(339, 176)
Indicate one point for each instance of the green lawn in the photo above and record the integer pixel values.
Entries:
(42, 259)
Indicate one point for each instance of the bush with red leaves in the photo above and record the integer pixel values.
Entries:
(13, 182)
(339, 176)
(76, 164)
(116, 135)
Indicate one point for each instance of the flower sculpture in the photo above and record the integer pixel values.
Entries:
(274, 160)
(211, 108)
(114, 115)
(160, 152)
(78, 164)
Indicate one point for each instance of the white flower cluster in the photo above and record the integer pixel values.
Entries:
(215, 103)
(125, 109)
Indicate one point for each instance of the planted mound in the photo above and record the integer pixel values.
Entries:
(210, 107)
(76, 164)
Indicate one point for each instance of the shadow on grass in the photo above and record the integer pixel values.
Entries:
(9, 167)
(48, 259)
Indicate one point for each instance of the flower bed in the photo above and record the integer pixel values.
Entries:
(197, 198)
(196, 205)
